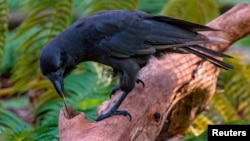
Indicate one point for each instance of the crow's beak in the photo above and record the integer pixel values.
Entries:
(58, 84)
(57, 81)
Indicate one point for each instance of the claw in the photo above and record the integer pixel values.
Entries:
(140, 81)
(118, 112)
(114, 111)
(124, 113)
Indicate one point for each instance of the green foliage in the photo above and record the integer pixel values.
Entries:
(3, 27)
(192, 10)
(237, 92)
(12, 126)
(245, 42)
(201, 137)
(232, 1)
(46, 20)
(151, 6)
(92, 6)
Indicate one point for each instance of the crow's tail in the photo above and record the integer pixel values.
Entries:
(208, 54)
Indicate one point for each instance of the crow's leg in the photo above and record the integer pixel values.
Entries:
(117, 87)
(114, 111)
(127, 70)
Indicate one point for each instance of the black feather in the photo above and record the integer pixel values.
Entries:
(216, 62)
(209, 51)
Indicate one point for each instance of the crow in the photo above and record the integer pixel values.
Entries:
(123, 40)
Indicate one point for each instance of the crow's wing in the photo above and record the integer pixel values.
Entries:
(131, 33)
(135, 33)
(128, 42)
(123, 33)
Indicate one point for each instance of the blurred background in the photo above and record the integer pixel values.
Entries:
(29, 105)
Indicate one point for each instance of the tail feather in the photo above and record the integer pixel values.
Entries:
(216, 62)
(161, 46)
(209, 51)
(188, 39)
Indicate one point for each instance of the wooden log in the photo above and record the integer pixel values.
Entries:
(177, 88)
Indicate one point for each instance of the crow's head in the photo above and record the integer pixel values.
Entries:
(52, 65)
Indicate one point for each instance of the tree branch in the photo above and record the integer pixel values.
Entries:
(177, 88)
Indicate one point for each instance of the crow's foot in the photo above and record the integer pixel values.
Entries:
(111, 113)
(114, 110)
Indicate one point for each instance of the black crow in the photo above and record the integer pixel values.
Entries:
(124, 40)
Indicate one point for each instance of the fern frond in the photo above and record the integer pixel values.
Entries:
(194, 10)
(92, 6)
(198, 125)
(3, 27)
(13, 127)
(236, 86)
(48, 132)
(226, 110)
(46, 20)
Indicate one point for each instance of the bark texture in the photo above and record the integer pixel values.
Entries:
(177, 88)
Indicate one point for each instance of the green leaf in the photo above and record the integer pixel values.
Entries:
(14, 128)
(46, 20)
(192, 10)
(245, 42)
(232, 1)
(87, 87)
(201, 137)
(92, 6)
(151, 6)
(199, 125)
(4, 29)
(48, 132)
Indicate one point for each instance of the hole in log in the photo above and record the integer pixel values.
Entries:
(157, 117)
